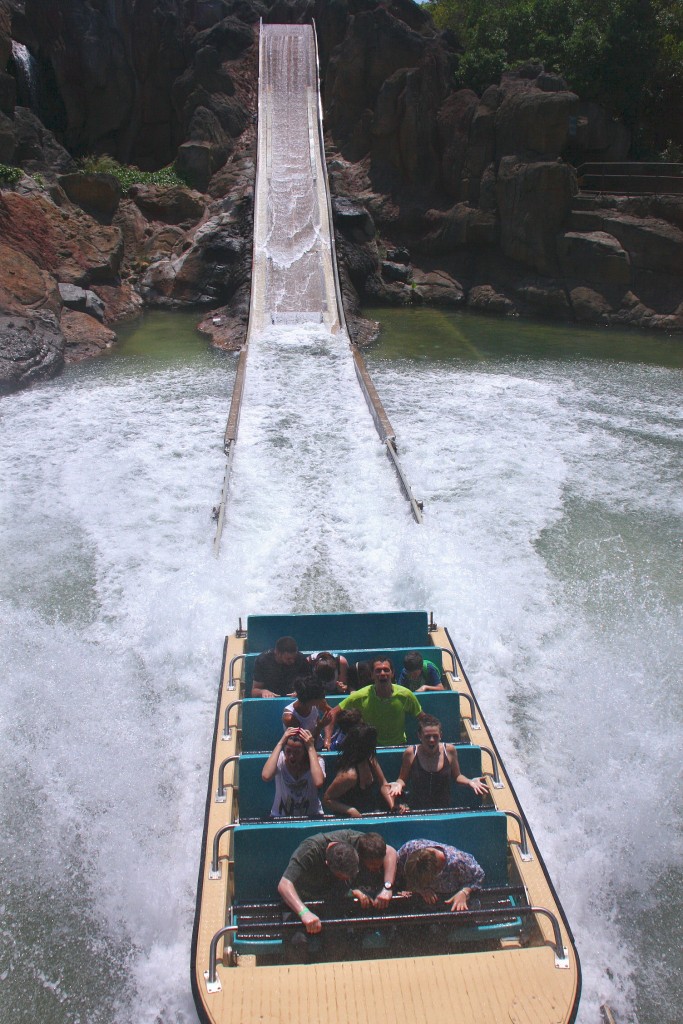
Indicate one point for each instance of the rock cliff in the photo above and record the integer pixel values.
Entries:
(439, 195)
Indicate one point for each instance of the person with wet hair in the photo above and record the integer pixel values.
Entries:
(331, 670)
(438, 873)
(344, 722)
(354, 789)
(324, 867)
(310, 710)
(276, 670)
(428, 768)
(299, 774)
(419, 675)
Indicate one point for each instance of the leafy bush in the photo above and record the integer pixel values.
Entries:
(128, 176)
(10, 175)
(624, 54)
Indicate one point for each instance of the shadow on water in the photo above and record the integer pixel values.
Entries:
(444, 335)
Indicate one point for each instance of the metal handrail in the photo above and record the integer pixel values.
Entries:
(497, 784)
(451, 655)
(227, 731)
(212, 982)
(231, 675)
(429, 916)
(215, 869)
(522, 842)
(221, 795)
(474, 721)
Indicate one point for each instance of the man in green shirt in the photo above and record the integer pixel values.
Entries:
(383, 704)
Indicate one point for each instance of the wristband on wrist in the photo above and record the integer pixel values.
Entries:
(304, 910)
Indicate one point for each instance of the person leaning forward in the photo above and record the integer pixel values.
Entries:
(326, 865)
(276, 670)
(383, 704)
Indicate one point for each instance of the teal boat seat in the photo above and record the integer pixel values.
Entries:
(262, 718)
(256, 796)
(262, 852)
(339, 631)
(245, 669)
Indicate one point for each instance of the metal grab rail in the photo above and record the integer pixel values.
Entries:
(231, 675)
(522, 842)
(212, 982)
(221, 795)
(497, 784)
(227, 732)
(474, 721)
(460, 917)
(215, 870)
(451, 671)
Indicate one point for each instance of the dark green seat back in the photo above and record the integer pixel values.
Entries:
(339, 631)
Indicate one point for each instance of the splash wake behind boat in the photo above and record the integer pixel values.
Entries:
(510, 956)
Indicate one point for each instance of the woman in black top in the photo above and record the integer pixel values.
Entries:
(427, 770)
(352, 792)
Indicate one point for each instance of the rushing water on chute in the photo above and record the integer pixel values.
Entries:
(550, 548)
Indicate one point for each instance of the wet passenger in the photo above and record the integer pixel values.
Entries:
(354, 789)
(428, 768)
(419, 675)
(383, 704)
(326, 867)
(299, 774)
(438, 873)
(344, 722)
(310, 710)
(276, 670)
(331, 670)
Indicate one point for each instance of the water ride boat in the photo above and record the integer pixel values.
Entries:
(509, 957)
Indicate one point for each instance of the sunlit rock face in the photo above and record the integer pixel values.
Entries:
(477, 189)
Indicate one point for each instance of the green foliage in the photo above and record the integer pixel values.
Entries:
(624, 54)
(130, 175)
(10, 175)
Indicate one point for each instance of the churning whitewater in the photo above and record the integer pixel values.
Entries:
(550, 547)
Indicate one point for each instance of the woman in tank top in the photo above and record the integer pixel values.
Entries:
(428, 768)
(353, 791)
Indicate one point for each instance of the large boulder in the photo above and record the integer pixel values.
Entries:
(37, 149)
(97, 194)
(177, 205)
(652, 244)
(24, 287)
(534, 123)
(84, 336)
(534, 201)
(594, 256)
(65, 241)
(209, 272)
(31, 349)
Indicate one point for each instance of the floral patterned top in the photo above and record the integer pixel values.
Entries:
(460, 869)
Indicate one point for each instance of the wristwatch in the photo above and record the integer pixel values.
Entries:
(388, 886)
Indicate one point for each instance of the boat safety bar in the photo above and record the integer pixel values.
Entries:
(522, 841)
(212, 982)
(497, 784)
(371, 814)
(231, 671)
(227, 729)
(215, 869)
(474, 721)
(461, 917)
(446, 650)
(221, 795)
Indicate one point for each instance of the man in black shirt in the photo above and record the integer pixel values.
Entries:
(276, 670)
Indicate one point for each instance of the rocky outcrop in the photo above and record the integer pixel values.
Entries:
(31, 349)
(439, 195)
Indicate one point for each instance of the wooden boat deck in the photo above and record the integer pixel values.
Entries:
(487, 988)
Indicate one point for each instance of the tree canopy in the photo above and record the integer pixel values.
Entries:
(624, 54)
